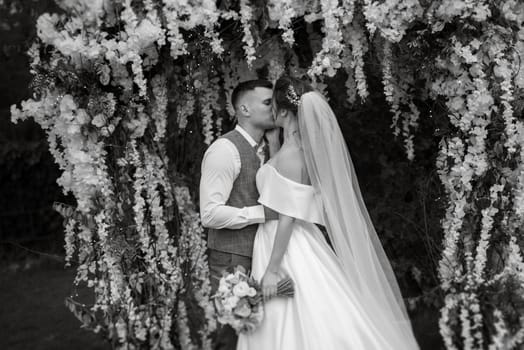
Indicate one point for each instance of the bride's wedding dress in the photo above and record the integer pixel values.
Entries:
(325, 312)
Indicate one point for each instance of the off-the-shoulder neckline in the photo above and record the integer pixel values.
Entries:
(286, 178)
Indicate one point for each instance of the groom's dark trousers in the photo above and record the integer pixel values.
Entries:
(232, 247)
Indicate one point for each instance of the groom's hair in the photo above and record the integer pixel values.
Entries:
(248, 85)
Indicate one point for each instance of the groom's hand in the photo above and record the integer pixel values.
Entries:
(270, 214)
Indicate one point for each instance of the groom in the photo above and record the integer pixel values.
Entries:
(228, 192)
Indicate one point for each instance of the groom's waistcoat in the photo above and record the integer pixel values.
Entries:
(243, 194)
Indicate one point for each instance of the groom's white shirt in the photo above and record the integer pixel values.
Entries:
(220, 168)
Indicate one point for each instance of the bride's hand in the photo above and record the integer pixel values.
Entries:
(269, 285)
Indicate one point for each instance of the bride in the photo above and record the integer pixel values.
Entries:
(346, 296)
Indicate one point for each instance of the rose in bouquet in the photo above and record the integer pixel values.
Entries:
(238, 300)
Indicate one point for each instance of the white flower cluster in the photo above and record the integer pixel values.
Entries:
(236, 304)
(409, 123)
(187, 15)
(449, 269)
(500, 337)
(518, 56)
(185, 108)
(327, 60)
(283, 12)
(237, 291)
(475, 97)
(193, 245)
(354, 60)
(396, 85)
(518, 204)
(450, 304)
(178, 45)
(486, 226)
(509, 336)
(192, 14)
(159, 112)
(277, 66)
(503, 71)
(183, 329)
(246, 16)
(392, 17)
(80, 138)
(208, 102)
(81, 157)
(92, 10)
(448, 10)
(390, 90)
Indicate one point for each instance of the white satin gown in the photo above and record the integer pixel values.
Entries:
(325, 312)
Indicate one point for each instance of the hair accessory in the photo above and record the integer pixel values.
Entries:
(292, 96)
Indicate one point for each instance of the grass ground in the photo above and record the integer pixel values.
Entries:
(33, 315)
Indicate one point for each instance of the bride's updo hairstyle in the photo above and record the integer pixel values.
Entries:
(287, 92)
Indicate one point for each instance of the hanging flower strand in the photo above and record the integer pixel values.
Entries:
(327, 60)
(246, 15)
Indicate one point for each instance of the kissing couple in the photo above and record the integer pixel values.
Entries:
(263, 203)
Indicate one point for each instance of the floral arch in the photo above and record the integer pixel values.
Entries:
(112, 78)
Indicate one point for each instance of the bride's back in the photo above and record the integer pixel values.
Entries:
(289, 161)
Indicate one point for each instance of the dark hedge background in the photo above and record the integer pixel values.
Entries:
(27, 171)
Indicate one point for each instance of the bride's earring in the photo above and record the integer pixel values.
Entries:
(284, 115)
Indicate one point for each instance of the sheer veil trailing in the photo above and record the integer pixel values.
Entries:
(347, 221)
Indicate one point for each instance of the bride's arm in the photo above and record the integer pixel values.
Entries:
(271, 276)
(283, 234)
(290, 166)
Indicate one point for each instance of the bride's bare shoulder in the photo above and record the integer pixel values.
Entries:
(290, 163)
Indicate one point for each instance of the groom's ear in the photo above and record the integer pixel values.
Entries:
(244, 110)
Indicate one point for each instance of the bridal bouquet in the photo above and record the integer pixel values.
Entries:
(238, 300)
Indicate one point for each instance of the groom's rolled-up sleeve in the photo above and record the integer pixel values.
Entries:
(220, 168)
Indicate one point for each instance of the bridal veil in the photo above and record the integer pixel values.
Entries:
(347, 221)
